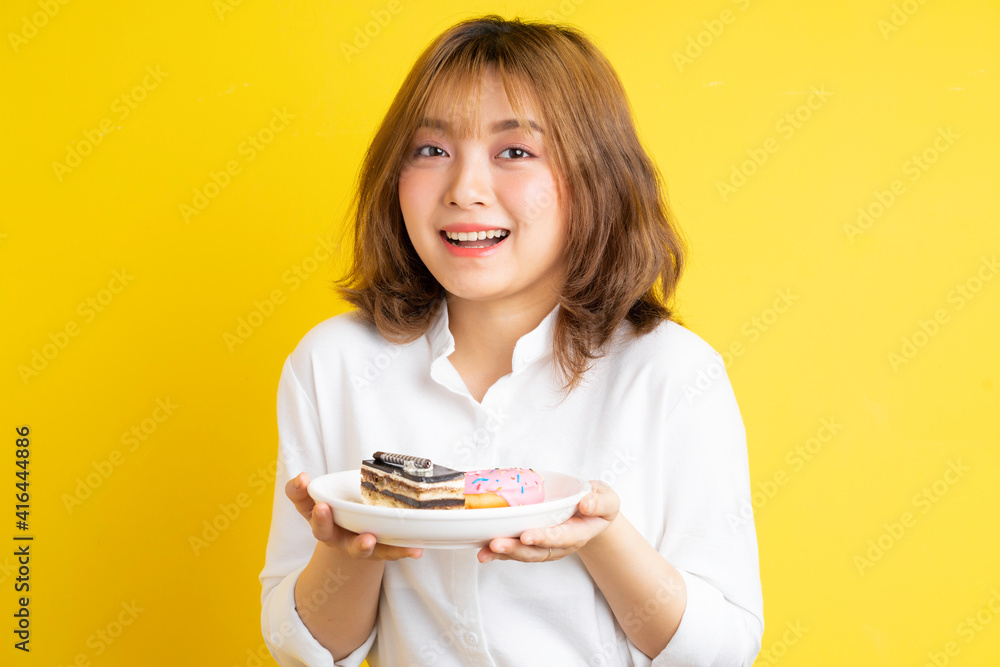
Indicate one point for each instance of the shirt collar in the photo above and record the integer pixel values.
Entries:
(439, 335)
(530, 347)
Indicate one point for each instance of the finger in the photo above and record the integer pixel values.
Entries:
(362, 546)
(321, 520)
(507, 549)
(502, 545)
(296, 491)
(602, 501)
(389, 552)
(575, 531)
(495, 550)
(296, 486)
(366, 547)
(486, 555)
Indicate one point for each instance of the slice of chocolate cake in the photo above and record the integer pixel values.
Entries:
(397, 480)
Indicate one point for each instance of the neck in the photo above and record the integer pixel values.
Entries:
(488, 330)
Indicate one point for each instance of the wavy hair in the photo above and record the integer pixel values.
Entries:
(624, 253)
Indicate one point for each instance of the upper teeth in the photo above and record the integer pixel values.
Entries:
(474, 236)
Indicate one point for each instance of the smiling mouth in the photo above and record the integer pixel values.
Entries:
(483, 239)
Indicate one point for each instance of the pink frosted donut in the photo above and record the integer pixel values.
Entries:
(503, 487)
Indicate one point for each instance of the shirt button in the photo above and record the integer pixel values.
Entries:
(471, 638)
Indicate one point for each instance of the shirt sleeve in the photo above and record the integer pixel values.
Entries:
(291, 543)
(709, 534)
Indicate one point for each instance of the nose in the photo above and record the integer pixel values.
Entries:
(470, 183)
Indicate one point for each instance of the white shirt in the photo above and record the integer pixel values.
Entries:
(656, 419)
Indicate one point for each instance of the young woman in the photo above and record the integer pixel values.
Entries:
(514, 261)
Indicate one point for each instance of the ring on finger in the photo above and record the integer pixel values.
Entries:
(548, 555)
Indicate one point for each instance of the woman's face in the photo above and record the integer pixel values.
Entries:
(497, 183)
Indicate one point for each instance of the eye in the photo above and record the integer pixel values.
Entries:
(516, 153)
(429, 151)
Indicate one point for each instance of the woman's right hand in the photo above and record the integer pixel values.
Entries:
(320, 517)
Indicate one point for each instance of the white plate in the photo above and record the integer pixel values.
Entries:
(445, 529)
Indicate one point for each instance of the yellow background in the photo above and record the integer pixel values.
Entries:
(898, 74)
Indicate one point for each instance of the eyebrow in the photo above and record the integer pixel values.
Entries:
(495, 128)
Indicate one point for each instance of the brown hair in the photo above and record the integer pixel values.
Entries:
(624, 253)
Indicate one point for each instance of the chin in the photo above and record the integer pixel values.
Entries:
(471, 294)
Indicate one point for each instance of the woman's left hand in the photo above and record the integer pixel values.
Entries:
(595, 512)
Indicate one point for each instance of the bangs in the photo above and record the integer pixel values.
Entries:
(452, 93)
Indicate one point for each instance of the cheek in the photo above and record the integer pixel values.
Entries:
(534, 197)
(417, 187)
(409, 194)
(409, 204)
